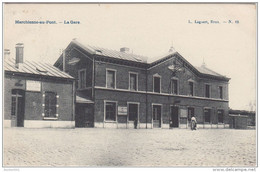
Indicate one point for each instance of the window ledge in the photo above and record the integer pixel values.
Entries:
(50, 118)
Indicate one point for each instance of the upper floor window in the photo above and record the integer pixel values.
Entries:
(174, 86)
(133, 81)
(220, 92)
(82, 79)
(207, 90)
(111, 79)
(191, 88)
(157, 84)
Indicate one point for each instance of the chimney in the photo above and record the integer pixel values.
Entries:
(124, 50)
(19, 54)
(6, 54)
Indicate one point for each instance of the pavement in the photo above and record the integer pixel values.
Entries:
(128, 147)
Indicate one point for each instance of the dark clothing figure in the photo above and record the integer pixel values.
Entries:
(135, 123)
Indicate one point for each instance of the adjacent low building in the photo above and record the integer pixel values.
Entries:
(36, 94)
(115, 88)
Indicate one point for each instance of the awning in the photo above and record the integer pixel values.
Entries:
(83, 100)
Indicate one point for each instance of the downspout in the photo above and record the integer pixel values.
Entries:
(146, 85)
(93, 88)
(63, 61)
(73, 100)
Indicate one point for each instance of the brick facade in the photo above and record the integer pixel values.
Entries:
(34, 101)
(149, 102)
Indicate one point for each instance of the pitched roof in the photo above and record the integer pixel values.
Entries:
(138, 58)
(205, 70)
(111, 53)
(37, 68)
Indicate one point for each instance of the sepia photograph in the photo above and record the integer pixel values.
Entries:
(129, 85)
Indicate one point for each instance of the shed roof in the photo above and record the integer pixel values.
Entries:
(80, 99)
(37, 68)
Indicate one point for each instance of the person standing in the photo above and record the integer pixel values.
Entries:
(193, 123)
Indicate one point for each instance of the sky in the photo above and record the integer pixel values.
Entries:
(229, 48)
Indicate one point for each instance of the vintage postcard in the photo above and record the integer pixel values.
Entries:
(129, 85)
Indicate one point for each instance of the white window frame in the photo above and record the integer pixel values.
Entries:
(177, 79)
(108, 69)
(158, 76)
(79, 80)
(157, 104)
(129, 88)
(138, 105)
(110, 101)
(209, 90)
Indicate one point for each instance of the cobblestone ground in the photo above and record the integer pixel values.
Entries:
(121, 147)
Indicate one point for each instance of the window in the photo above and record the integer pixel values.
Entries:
(220, 116)
(207, 90)
(156, 84)
(133, 112)
(111, 79)
(174, 85)
(207, 113)
(190, 113)
(220, 92)
(110, 111)
(50, 104)
(82, 79)
(133, 81)
(191, 88)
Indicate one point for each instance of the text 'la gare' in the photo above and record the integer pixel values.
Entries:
(71, 22)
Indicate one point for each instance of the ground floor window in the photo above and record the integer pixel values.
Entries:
(110, 111)
(132, 112)
(50, 104)
(190, 113)
(220, 116)
(207, 113)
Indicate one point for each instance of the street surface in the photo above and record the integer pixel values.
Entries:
(128, 147)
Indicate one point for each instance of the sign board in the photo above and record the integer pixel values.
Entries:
(183, 113)
(33, 85)
(122, 110)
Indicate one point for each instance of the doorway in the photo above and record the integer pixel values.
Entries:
(17, 111)
(84, 116)
(174, 117)
(157, 114)
(133, 117)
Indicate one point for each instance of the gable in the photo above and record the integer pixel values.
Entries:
(180, 63)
